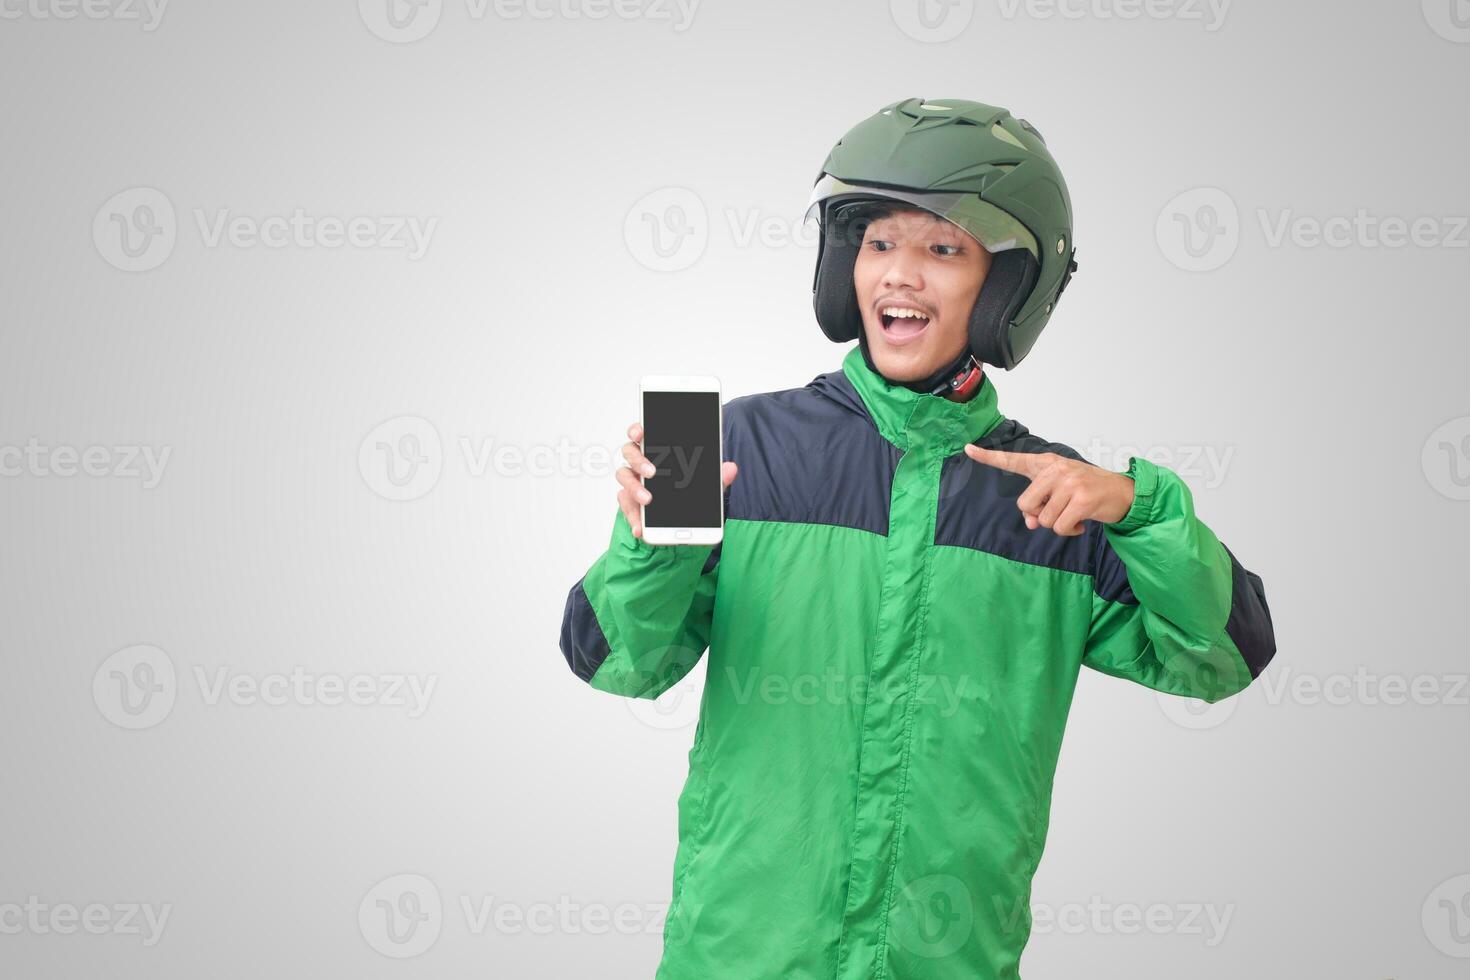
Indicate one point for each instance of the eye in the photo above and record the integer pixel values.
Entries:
(879, 245)
(947, 249)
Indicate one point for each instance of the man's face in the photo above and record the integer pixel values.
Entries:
(915, 261)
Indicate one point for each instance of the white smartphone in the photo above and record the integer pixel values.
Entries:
(682, 439)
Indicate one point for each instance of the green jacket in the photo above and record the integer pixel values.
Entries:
(892, 655)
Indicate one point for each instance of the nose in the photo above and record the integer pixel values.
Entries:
(904, 270)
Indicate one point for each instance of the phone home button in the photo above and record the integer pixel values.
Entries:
(684, 535)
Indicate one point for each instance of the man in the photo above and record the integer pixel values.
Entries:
(908, 586)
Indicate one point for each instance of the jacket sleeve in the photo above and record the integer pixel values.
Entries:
(1172, 608)
(639, 620)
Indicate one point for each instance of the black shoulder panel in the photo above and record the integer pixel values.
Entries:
(809, 455)
(977, 507)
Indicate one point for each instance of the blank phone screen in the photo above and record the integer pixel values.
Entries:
(681, 438)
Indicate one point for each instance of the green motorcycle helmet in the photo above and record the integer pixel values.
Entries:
(974, 165)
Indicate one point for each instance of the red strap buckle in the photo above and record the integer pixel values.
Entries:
(964, 384)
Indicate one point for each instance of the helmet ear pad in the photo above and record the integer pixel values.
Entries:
(1007, 286)
(834, 296)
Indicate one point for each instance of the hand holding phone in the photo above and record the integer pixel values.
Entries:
(675, 454)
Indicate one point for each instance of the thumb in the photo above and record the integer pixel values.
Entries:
(728, 472)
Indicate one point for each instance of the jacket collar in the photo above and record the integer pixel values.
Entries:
(911, 419)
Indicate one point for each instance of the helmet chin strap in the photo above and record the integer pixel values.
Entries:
(958, 380)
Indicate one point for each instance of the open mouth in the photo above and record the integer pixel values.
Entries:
(901, 323)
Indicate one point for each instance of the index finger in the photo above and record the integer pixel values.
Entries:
(635, 431)
(1026, 464)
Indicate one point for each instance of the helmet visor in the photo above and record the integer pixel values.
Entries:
(996, 229)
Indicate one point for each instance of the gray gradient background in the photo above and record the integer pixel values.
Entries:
(1332, 831)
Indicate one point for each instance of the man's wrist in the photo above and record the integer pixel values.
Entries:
(1145, 477)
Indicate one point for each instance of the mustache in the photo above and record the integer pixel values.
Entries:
(911, 303)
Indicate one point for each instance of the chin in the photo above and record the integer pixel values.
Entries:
(905, 365)
(900, 369)
(910, 362)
